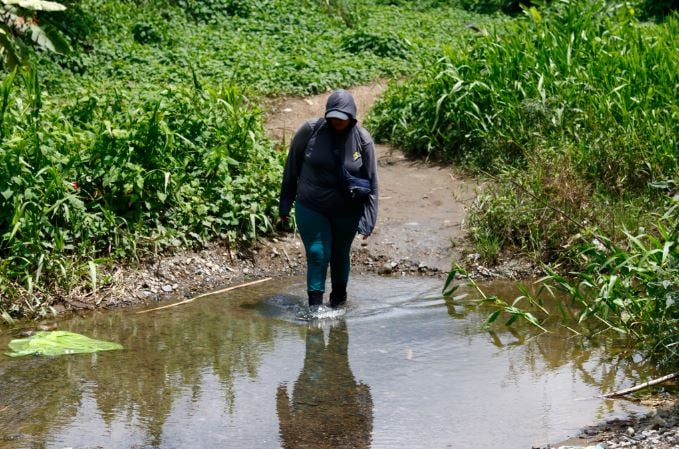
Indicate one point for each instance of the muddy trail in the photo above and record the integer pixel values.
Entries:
(421, 205)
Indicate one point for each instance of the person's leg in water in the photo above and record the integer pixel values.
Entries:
(316, 233)
(344, 229)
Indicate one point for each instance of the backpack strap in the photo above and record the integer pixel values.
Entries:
(315, 128)
(362, 151)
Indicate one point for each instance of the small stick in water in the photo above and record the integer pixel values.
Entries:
(247, 284)
(641, 386)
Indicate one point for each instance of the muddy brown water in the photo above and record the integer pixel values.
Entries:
(400, 367)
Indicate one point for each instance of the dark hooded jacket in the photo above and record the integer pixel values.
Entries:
(313, 174)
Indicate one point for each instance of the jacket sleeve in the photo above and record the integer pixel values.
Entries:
(369, 217)
(293, 166)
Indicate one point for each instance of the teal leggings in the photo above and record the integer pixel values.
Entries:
(327, 239)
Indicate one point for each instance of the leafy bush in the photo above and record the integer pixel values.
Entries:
(281, 47)
(120, 175)
(212, 10)
(386, 46)
(146, 33)
(491, 6)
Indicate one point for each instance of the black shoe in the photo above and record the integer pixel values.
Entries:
(315, 298)
(338, 299)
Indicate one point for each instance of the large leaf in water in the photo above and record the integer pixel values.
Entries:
(36, 5)
(53, 343)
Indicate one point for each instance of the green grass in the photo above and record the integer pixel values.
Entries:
(572, 110)
(631, 286)
(572, 113)
(583, 78)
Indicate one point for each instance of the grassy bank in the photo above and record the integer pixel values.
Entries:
(147, 136)
(572, 112)
(119, 176)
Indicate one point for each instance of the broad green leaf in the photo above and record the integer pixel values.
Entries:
(49, 38)
(36, 5)
(493, 316)
(53, 343)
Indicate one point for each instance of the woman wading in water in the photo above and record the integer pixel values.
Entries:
(331, 176)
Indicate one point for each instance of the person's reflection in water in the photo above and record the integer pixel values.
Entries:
(329, 409)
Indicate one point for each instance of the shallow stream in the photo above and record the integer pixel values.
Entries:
(400, 368)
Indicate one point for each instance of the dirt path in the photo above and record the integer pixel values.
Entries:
(421, 208)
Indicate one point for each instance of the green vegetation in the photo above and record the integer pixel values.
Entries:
(122, 174)
(572, 112)
(629, 287)
(271, 47)
(582, 79)
(134, 127)
(147, 135)
(18, 22)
